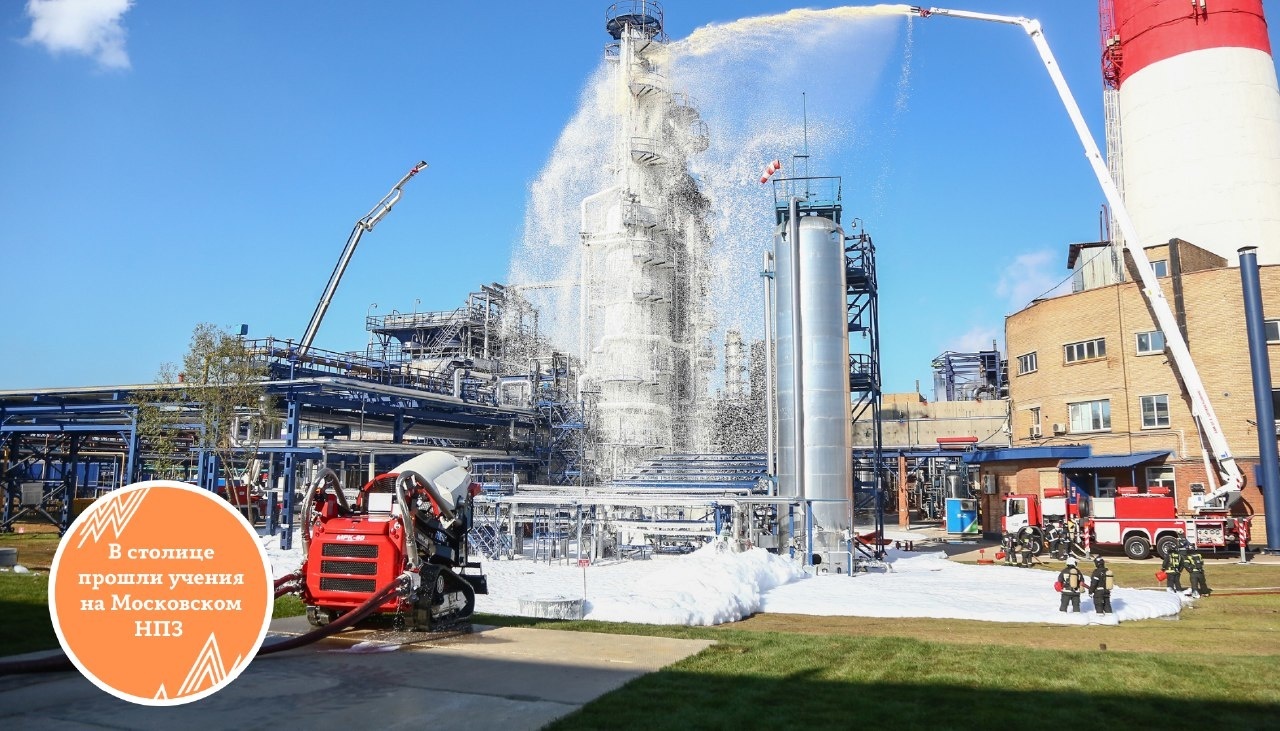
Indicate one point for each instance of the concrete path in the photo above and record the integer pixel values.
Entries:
(495, 678)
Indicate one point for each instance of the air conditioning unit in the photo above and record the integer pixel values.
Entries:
(1059, 428)
(989, 484)
(1035, 431)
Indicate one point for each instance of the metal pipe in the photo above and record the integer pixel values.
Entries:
(407, 521)
(1260, 365)
(797, 348)
(766, 278)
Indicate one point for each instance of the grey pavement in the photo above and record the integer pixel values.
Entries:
(494, 678)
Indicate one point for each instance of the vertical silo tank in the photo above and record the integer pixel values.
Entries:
(824, 369)
(1199, 123)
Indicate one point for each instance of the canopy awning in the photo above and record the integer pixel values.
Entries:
(1112, 461)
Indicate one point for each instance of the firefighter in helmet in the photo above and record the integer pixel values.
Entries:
(1055, 536)
(1195, 568)
(1026, 541)
(1172, 568)
(1071, 581)
(1101, 582)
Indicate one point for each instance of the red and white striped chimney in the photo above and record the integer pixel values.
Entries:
(1199, 123)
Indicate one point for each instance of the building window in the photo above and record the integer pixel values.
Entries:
(1090, 416)
(1160, 477)
(1087, 350)
(1106, 487)
(1027, 364)
(1272, 328)
(1150, 343)
(1161, 266)
(1155, 411)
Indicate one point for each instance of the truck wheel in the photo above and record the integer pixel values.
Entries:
(1137, 547)
(1166, 545)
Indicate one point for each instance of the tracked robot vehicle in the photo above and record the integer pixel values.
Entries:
(403, 541)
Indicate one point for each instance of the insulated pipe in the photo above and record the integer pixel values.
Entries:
(797, 347)
(1260, 365)
(584, 272)
(766, 278)
(797, 368)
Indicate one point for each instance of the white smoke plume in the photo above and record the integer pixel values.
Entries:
(83, 27)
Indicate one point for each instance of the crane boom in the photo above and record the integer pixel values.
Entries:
(1201, 409)
(364, 224)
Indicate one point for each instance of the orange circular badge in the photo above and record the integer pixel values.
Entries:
(161, 593)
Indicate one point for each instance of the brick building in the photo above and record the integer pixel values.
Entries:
(1090, 369)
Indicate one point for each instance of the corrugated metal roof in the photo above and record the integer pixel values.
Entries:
(1112, 461)
(1009, 454)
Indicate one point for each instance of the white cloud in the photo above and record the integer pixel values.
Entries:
(1031, 276)
(86, 27)
(977, 338)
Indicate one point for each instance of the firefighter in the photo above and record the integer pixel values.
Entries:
(1071, 544)
(1100, 585)
(1071, 581)
(1008, 544)
(1026, 538)
(1172, 567)
(1055, 539)
(1195, 568)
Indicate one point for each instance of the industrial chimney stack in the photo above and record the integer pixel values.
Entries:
(1199, 121)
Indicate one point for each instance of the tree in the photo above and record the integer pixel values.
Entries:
(218, 397)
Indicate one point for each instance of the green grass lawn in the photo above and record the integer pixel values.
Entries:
(752, 679)
(24, 614)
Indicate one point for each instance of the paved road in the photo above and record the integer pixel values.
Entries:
(495, 678)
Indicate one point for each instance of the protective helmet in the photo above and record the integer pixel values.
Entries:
(1071, 561)
(1097, 561)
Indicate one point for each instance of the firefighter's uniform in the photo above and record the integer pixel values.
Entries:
(1195, 567)
(1100, 584)
(1172, 567)
(1072, 582)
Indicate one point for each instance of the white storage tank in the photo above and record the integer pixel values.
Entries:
(824, 367)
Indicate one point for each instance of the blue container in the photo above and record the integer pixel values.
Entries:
(962, 517)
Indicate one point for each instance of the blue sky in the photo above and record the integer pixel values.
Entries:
(182, 162)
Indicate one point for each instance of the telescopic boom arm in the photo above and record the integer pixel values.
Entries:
(1206, 419)
(365, 224)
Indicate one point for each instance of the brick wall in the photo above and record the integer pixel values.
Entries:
(1216, 336)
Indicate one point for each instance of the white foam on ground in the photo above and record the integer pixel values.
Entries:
(713, 586)
(283, 562)
(930, 585)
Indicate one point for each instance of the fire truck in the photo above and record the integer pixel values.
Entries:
(1137, 523)
(1142, 522)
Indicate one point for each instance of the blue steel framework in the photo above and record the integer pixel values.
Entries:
(43, 433)
(66, 448)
